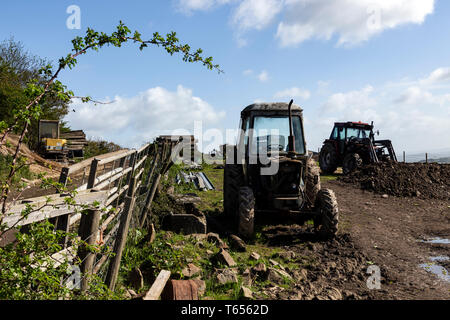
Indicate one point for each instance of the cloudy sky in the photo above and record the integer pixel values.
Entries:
(385, 61)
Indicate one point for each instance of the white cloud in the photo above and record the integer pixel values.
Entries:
(353, 21)
(263, 76)
(350, 100)
(293, 92)
(256, 14)
(131, 122)
(437, 76)
(414, 95)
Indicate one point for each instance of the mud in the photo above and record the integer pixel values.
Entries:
(326, 270)
(427, 181)
(391, 232)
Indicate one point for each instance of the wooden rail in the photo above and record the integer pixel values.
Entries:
(121, 184)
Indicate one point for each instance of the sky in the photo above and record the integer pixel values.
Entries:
(385, 61)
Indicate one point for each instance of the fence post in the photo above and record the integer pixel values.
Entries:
(404, 156)
(92, 174)
(121, 238)
(148, 202)
(62, 222)
(426, 157)
(88, 233)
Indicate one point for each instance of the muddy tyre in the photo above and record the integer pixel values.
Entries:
(327, 220)
(352, 161)
(328, 159)
(232, 180)
(246, 212)
(312, 182)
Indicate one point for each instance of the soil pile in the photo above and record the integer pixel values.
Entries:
(36, 163)
(428, 181)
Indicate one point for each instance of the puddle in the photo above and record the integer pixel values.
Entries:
(436, 240)
(441, 272)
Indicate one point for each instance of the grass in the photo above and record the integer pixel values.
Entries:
(211, 200)
(173, 252)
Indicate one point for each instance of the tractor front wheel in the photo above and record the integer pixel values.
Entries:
(246, 212)
(312, 182)
(352, 161)
(233, 179)
(327, 219)
(328, 159)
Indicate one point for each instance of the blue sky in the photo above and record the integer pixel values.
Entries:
(358, 60)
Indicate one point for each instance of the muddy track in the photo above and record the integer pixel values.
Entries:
(390, 231)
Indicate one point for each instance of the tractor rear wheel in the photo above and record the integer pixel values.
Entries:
(328, 159)
(232, 180)
(351, 162)
(327, 219)
(312, 182)
(246, 212)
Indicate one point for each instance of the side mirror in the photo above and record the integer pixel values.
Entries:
(378, 132)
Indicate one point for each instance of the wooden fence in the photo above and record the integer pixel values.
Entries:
(123, 185)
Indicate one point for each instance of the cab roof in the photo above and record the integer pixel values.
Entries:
(272, 106)
(352, 124)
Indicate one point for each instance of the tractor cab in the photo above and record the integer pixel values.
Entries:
(352, 144)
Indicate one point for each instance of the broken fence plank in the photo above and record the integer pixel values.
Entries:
(158, 286)
(52, 210)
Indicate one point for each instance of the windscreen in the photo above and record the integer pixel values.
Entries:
(272, 134)
(357, 133)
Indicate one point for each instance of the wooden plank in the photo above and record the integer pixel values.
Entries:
(53, 210)
(107, 175)
(88, 232)
(139, 173)
(114, 197)
(121, 237)
(158, 286)
(86, 163)
(140, 162)
(105, 183)
(113, 158)
(101, 186)
(143, 148)
(110, 218)
(57, 198)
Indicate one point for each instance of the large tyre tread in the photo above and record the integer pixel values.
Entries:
(233, 179)
(328, 221)
(328, 168)
(246, 212)
(312, 186)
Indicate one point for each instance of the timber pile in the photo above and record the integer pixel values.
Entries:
(76, 140)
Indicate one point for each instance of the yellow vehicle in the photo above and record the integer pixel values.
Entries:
(51, 146)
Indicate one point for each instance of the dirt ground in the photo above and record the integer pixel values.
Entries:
(391, 232)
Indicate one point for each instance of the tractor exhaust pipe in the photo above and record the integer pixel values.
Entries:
(291, 130)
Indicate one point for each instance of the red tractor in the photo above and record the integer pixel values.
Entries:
(351, 145)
